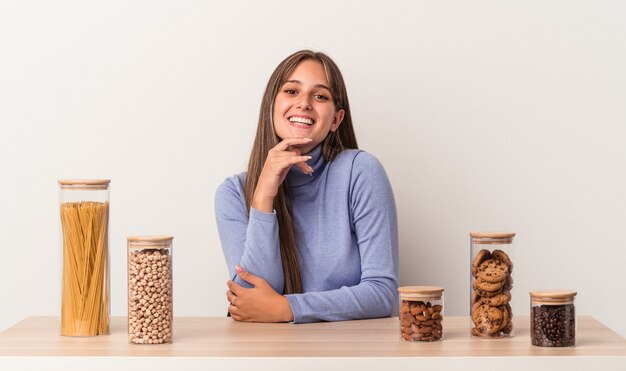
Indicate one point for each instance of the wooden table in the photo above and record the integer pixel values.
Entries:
(221, 343)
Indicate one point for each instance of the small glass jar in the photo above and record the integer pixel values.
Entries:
(491, 282)
(421, 313)
(150, 290)
(552, 318)
(85, 286)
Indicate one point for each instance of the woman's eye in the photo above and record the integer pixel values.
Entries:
(290, 91)
(321, 97)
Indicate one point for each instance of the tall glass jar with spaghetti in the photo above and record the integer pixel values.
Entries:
(150, 305)
(491, 282)
(85, 286)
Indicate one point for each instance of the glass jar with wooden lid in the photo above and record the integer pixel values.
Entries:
(552, 318)
(150, 290)
(491, 282)
(421, 313)
(85, 289)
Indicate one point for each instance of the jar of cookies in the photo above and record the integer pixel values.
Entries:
(552, 318)
(150, 306)
(421, 313)
(491, 282)
(85, 289)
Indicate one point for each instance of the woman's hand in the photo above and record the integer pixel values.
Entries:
(279, 160)
(260, 303)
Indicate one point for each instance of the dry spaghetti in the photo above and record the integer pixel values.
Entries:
(85, 278)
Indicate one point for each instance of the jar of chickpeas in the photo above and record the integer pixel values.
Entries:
(150, 306)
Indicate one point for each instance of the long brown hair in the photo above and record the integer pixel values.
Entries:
(266, 139)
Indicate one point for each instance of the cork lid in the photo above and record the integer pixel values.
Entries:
(153, 242)
(84, 184)
(421, 292)
(553, 297)
(492, 237)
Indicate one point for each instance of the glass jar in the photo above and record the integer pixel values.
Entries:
(150, 305)
(85, 286)
(421, 313)
(491, 282)
(552, 318)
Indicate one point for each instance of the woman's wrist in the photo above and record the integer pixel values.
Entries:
(262, 202)
(287, 314)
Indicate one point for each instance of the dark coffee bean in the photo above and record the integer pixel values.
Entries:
(553, 325)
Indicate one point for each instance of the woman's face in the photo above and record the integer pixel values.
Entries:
(304, 106)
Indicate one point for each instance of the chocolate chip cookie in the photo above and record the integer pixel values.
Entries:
(480, 257)
(497, 300)
(489, 320)
(503, 257)
(492, 270)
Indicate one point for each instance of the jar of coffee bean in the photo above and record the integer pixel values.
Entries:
(552, 318)
(421, 313)
(150, 317)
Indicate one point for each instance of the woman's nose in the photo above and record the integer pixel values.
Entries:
(304, 102)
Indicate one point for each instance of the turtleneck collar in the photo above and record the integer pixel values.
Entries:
(295, 176)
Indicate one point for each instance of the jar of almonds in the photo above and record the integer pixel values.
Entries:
(491, 282)
(150, 305)
(552, 318)
(421, 313)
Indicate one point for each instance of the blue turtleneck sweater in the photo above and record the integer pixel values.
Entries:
(346, 233)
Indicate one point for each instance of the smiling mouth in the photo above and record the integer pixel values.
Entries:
(300, 121)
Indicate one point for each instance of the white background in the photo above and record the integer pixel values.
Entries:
(487, 115)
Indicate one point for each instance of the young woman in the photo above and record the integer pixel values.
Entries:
(309, 232)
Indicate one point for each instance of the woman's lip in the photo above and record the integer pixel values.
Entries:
(298, 125)
(302, 117)
(294, 121)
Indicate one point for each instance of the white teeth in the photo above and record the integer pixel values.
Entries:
(301, 120)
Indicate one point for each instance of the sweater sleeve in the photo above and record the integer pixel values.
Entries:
(375, 227)
(251, 242)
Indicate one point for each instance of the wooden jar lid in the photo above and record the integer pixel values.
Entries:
(490, 238)
(153, 242)
(421, 292)
(84, 184)
(554, 297)
(492, 234)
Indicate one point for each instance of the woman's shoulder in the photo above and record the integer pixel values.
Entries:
(233, 185)
(359, 161)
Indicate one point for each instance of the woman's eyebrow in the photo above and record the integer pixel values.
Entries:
(300, 83)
